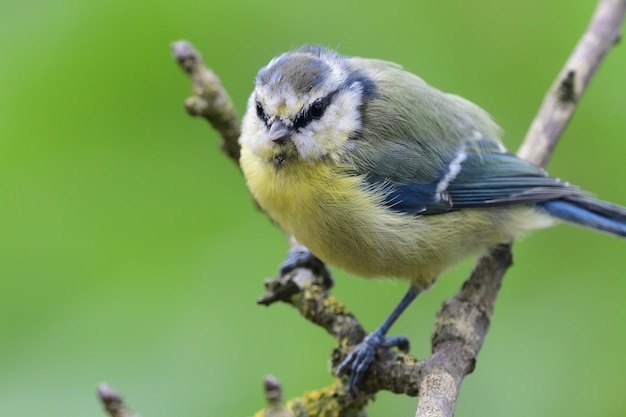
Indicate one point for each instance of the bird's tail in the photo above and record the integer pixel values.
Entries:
(588, 212)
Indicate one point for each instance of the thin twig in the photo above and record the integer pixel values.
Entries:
(209, 100)
(559, 104)
(274, 398)
(113, 403)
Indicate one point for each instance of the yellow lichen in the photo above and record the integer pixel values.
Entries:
(334, 306)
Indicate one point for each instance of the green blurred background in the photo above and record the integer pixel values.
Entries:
(130, 251)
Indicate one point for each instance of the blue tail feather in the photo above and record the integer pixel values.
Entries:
(588, 212)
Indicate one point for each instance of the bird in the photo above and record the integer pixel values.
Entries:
(378, 173)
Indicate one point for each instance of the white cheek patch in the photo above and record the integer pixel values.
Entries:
(325, 137)
(254, 132)
(308, 144)
(347, 116)
(248, 124)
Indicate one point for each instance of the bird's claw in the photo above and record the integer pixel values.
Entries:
(301, 257)
(400, 342)
(359, 360)
(363, 355)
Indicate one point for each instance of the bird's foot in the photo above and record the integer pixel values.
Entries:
(301, 257)
(363, 355)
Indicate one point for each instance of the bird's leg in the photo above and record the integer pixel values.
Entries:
(363, 354)
(301, 257)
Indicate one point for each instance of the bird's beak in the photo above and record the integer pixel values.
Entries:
(279, 133)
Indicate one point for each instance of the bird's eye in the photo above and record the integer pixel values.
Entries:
(313, 112)
(317, 109)
(260, 112)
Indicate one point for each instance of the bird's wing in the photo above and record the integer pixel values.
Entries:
(469, 178)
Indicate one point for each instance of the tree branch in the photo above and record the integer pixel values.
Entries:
(113, 403)
(464, 319)
(209, 100)
(559, 104)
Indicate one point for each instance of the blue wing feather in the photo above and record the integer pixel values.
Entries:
(500, 179)
(416, 199)
(484, 180)
(589, 212)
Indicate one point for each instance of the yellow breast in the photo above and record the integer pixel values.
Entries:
(346, 225)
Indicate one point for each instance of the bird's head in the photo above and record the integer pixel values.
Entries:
(306, 105)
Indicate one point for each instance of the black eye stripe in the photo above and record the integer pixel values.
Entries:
(315, 111)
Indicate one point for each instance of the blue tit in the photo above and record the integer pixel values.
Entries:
(380, 174)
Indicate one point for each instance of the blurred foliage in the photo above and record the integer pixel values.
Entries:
(130, 251)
